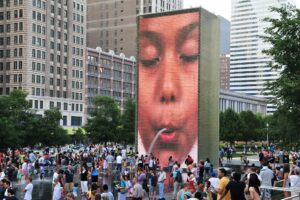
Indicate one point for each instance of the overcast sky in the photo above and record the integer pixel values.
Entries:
(219, 7)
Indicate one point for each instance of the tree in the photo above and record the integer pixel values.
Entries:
(231, 126)
(104, 120)
(14, 113)
(127, 127)
(283, 35)
(78, 136)
(249, 126)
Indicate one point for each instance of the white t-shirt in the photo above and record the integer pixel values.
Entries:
(57, 192)
(55, 176)
(28, 193)
(214, 182)
(119, 159)
(123, 153)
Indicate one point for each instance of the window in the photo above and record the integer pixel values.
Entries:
(64, 120)
(76, 121)
(51, 105)
(41, 104)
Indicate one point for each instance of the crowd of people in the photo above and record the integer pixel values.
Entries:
(78, 174)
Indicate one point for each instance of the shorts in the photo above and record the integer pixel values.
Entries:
(84, 186)
(265, 194)
(152, 188)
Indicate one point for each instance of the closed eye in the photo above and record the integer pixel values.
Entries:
(189, 58)
(150, 63)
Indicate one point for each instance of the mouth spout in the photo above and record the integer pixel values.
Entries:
(163, 130)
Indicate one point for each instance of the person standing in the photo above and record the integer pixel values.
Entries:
(69, 179)
(138, 191)
(224, 180)
(57, 190)
(253, 187)
(28, 189)
(236, 188)
(161, 183)
(119, 160)
(177, 180)
(295, 180)
(153, 185)
(106, 193)
(267, 176)
(84, 180)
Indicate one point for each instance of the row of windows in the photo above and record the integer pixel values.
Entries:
(78, 18)
(38, 79)
(38, 66)
(39, 42)
(78, 29)
(7, 15)
(78, 40)
(18, 39)
(77, 85)
(77, 51)
(7, 3)
(78, 7)
(38, 16)
(58, 70)
(77, 96)
(39, 4)
(17, 27)
(37, 91)
(77, 62)
(38, 29)
(17, 78)
(38, 54)
(16, 53)
(58, 82)
(77, 74)
(17, 65)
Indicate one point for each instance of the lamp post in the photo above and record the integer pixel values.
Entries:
(267, 135)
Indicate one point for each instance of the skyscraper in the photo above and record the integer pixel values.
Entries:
(42, 51)
(249, 70)
(111, 24)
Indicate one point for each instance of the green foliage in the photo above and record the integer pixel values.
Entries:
(19, 126)
(127, 126)
(249, 126)
(284, 37)
(78, 136)
(230, 126)
(104, 120)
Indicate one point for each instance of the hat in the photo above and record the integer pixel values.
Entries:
(188, 194)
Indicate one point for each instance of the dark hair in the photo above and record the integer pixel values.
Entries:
(286, 168)
(254, 182)
(11, 191)
(237, 176)
(75, 184)
(105, 187)
(94, 186)
(223, 171)
(207, 159)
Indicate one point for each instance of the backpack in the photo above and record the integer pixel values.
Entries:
(178, 177)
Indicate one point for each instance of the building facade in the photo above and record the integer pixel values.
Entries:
(241, 102)
(42, 51)
(112, 25)
(110, 75)
(224, 72)
(249, 70)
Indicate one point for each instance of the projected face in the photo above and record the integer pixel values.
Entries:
(168, 85)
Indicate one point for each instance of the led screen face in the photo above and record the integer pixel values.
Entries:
(168, 82)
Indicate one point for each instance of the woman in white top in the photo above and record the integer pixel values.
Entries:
(294, 178)
(57, 190)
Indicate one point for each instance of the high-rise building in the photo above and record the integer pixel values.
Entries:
(224, 72)
(112, 25)
(42, 51)
(111, 75)
(224, 35)
(249, 70)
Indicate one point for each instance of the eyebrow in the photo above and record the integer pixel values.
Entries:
(153, 37)
(184, 32)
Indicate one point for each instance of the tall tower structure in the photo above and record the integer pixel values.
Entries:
(42, 51)
(111, 24)
(249, 70)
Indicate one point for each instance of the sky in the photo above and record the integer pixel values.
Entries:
(219, 7)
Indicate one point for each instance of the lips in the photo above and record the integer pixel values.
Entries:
(169, 134)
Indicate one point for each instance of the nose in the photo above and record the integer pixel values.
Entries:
(170, 83)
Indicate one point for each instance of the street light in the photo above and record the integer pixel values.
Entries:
(267, 134)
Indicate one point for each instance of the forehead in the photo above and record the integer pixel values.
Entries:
(169, 22)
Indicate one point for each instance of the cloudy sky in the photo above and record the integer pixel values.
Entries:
(219, 7)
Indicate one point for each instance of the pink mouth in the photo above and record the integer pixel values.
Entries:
(169, 134)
